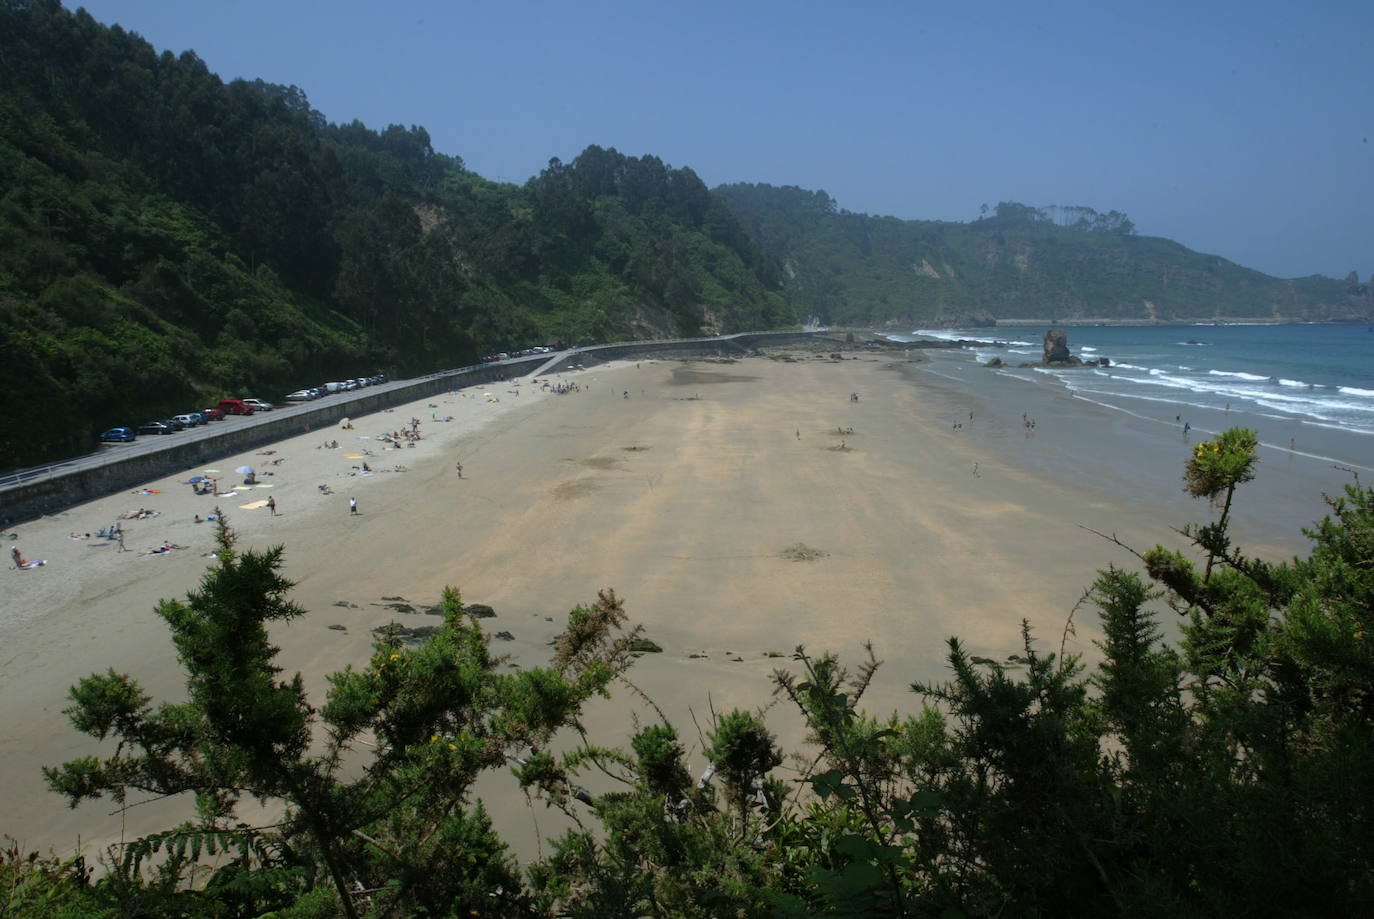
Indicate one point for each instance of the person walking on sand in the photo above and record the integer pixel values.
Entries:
(272, 505)
(458, 467)
(352, 505)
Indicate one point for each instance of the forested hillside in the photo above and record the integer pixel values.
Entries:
(167, 238)
(1017, 261)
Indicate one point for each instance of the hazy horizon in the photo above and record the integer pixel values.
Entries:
(1235, 129)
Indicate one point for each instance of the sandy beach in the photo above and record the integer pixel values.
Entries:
(728, 503)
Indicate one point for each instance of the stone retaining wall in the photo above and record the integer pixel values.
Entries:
(98, 476)
(116, 473)
(719, 346)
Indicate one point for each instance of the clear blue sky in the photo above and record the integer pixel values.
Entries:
(1237, 128)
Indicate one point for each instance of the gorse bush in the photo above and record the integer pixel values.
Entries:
(1231, 772)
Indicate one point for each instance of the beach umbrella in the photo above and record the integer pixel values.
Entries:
(343, 421)
(195, 479)
(244, 470)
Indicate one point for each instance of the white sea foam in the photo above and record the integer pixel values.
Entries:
(957, 335)
(1356, 391)
(1078, 391)
(1237, 374)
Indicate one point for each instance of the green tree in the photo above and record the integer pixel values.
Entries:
(439, 715)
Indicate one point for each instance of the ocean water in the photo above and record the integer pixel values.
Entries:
(1292, 376)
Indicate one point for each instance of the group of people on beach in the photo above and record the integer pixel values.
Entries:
(561, 389)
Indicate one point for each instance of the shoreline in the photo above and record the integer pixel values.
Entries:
(1088, 322)
(683, 485)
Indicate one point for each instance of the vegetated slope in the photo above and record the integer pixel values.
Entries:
(167, 238)
(1025, 262)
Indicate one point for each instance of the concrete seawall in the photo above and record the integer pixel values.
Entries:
(69, 484)
(95, 476)
(718, 346)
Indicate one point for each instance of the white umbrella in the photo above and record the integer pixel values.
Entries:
(244, 470)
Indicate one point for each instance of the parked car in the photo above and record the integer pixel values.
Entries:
(259, 405)
(156, 427)
(117, 435)
(333, 387)
(176, 425)
(300, 395)
(212, 414)
(188, 420)
(235, 407)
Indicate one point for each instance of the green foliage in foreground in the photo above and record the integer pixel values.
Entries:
(1232, 773)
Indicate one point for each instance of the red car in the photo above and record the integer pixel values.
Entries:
(235, 407)
(213, 414)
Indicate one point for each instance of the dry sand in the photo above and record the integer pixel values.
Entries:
(685, 497)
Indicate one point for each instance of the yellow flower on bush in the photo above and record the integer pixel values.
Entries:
(1220, 465)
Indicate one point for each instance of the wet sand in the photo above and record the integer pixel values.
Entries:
(692, 498)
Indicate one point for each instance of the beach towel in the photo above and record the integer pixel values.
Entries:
(253, 505)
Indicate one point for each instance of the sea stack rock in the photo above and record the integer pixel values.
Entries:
(1057, 347)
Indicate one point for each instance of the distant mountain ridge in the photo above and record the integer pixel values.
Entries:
(1015, 262)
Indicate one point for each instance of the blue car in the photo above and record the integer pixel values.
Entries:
(117, 435)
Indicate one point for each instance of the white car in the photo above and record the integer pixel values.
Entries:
(300, 395)
(259, 405)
